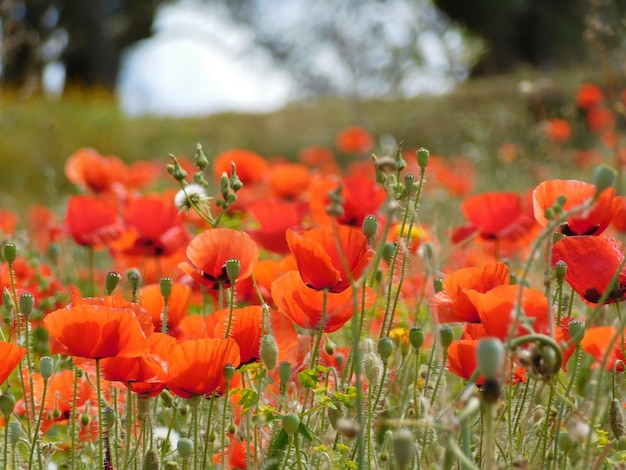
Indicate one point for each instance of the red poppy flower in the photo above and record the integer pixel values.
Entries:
(208, 252)
(195, 367)
(596, 342)
(452, 303)
(155, 228)
(92, 221)
(11, 356)
(589, 95)
(177, 304)
(590, 222)
(591, 264)
(274, 217)
(320, 263)
(354, 141)
(138, 372)
(493, 214)
(251, 167)
(496, 310)
(558, 130)
(600, 119)
(305, 306)
(99, 328)
(462, 358)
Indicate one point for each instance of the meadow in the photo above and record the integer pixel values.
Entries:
(393, 284)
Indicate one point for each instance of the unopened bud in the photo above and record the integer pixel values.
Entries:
(373, 368)
(184, 447)
(416, 337)
(177, 171)
(549, 213)
(7, 300)
(269, 351)
(46, 367)
(489, 356)
(404, 448)
(7, 404)
(284, 371)
(388, 250)
(291, 423)
(152, 460)
(200, 160)
(616, 418)
(15, 432)
(603, 178)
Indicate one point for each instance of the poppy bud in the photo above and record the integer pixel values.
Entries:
(284, 371)
(177, 171)
(566, 443)
(224, 185)
(385, 348)
(549, 213)
(198, 178)
(446, 335)
(423, 155)
(184, 447)
(416, 337)
(200, 160)
(233, 268)
(235, 183)
(7, 300)
(27, 303)
(404, 448)
(603, 178)
(291, 423)
(229, 372)
(616, 418)
(400, 161)
(7, 404)
(576, 329)
(111, 280)
(560, 269)
(231, 198)
(167, 399)
(409, 181)
(269, 351)
(165, 285)
(108, 417)
(437, 284)
(85, 420)
(489, 353)
(340, 359)
(370, 226)
(373, 367)
(232, 428)
(152, 461)
(388, 250)
(10, 252)
(15, 432)
(46, 367)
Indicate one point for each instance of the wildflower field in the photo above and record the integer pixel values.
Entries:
(364, 305)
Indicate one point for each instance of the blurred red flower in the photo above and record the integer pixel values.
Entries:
(354, 141)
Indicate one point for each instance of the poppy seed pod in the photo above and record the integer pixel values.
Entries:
(284, 371)
(165, 286)
(228, 371)
(7, 404)
(446, 335)
(10, 252)
(134, 278)
(489, 354)
(385, 348)
(416, 337)
(370, 226)
(603, 178)
(423, 155)
(576, 329)
(85, 420)
(27, 303)
(111, 280)
(616, 418)
(233, 269)
(269, 351)
(404, 448)
(409, 181)
(291, 423)
(560, 269)
(437, 284)
(46, 367)
(184, 447)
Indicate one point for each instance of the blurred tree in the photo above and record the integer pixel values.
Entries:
(542, 33)
(87, 36)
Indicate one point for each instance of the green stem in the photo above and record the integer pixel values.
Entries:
(100, 423)
(223, 433)
(207, 436)
(37, 425)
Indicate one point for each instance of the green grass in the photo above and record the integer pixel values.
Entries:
(39, 134)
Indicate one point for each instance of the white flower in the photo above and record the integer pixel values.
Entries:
(193, 194)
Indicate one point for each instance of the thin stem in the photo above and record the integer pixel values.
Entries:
(100, 423)
(38, 424)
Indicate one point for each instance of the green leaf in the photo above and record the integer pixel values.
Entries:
(281, 440)
(308, 378)
(307, 432)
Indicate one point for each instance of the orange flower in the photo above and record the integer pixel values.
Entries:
(596, 342)
(11, 356)
(320, 263)
(99, 328)
(155, 228)
(600, 119)
(558, 130)
(452, 303)
(208, 252)
(354, 141)
(92, 221)
(591, 264)
(88, 169)
(589, 222)
(195, 367)
(251, 167)
(288, 180)
(496, 310)
(177, 304)
(589, 95)
(305, 306)
(462, 358)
